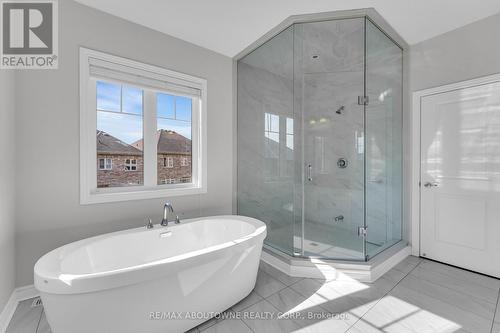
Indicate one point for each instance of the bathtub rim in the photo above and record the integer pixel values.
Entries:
(55, 282)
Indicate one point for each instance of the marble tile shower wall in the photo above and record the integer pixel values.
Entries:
(383, 137)
(298, 81)
(329, 76)
(263, 192)
(265, 162)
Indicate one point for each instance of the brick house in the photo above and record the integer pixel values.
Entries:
(121, 164)
(174, 157)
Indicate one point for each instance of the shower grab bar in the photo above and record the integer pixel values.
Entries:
(309, 172)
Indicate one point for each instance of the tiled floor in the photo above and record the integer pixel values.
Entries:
(416, 296)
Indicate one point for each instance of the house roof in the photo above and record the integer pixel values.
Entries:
(108, 144)
(169, 142)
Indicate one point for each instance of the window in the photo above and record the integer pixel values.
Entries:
(174, 126)
(169, 162)
(119, 109)
(136, 114)
(130, 165)
(279, 146)
(289, 133)
(272, 145)
(272, 127)
(185, 179)
(105, 164)
(169, 181)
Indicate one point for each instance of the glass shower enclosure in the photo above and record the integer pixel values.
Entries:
(320, 139)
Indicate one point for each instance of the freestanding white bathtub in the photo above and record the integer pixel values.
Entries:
(165, 279)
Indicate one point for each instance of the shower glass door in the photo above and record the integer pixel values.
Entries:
(320, 139)
(266, 147)
(383, 129)
(329, 63)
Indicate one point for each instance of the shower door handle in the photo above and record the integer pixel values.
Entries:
(309, 173)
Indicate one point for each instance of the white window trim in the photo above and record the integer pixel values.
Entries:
(169, 181)
(89, 193)
(132, 162)
(105, 159)
(170, 162)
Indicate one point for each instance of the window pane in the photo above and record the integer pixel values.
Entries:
(275, 123)
(108, 96)
(181, 127)
(174, 142)
(289, 141)
(119, 138)
(165, 105)
(289, 133)
(132, 100)
(126, 128)
(289, 125)
(183, 108)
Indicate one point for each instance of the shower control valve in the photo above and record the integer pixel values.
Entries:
(339, 218)
(342, 163)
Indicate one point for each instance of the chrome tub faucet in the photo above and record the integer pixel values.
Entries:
(166, 210)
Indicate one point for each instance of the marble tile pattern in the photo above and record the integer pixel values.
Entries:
(329, 65)
(305, 74)
(265, 179)
(417, 295)
(383, 131)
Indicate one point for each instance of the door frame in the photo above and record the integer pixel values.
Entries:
(416, 148)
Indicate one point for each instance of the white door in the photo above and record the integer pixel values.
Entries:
(460, 178)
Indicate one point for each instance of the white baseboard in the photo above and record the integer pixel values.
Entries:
(26, 292)
(389, 263)
(319, 269)
(8, 312)
(18, 295)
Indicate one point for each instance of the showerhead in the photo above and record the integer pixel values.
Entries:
(340, 110)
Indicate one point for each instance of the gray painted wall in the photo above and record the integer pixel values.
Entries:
(465, 53)
(47, 139)
(47, 136)
(462, 54)
(7, 186)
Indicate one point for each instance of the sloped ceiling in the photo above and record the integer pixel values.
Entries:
(228, 26)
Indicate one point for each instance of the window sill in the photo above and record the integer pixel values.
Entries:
(129, 194)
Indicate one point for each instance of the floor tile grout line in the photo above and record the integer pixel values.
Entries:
(387, 293)
(475, 298)
(272, 305)
(293, 290)
(460, 269)
(278, 291)
(405, 275)
(490, 277)
(273, 276)
(214, 320)
(447, 286)
(247, 325)
(319, 305)
(39, 320)
(495, 313)
(275, 291)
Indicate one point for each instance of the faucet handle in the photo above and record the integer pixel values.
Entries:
(149, 225)
(177, 220)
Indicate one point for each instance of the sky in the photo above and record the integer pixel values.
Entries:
(120, 112)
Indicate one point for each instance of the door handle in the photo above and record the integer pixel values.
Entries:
(429, 184)
(309, 172)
